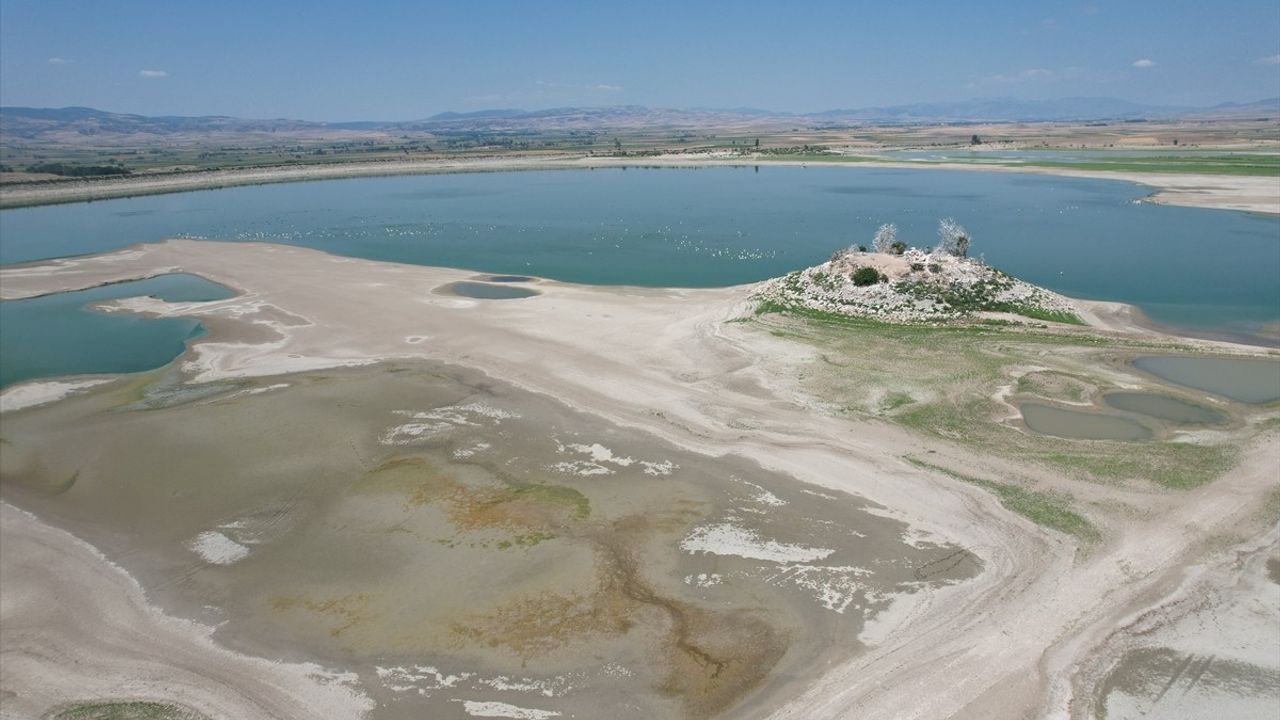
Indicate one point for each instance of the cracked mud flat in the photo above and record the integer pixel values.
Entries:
(464, 548)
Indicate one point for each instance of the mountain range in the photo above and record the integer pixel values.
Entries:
(33, 123)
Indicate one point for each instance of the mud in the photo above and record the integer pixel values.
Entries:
(452, 540)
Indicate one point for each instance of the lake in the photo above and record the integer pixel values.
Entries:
(1210, 270)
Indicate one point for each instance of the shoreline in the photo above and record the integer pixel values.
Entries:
(1245, 193)
(1100, 316)
(23, 283)
(1130, 319)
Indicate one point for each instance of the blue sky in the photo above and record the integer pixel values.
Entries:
(405, 60)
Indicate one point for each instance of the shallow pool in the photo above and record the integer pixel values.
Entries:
(487, 291)
(1081, 425)
(1163, 407)
(60, 335)
(1248, 380)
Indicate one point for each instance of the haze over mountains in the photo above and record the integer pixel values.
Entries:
(31, 123)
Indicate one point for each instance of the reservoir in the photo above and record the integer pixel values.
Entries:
(719, 226)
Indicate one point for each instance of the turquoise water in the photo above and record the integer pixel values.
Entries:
(58, 335)
(1207, 269)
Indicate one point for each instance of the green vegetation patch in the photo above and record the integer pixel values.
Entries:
(1174, 465)
(895, 400)
(954, 371)
(1271, 506)
(1038, 313)
(126, 710)
(1050, 510)
(960, 298)
(526, 540)
(925, 333)
(556, 495)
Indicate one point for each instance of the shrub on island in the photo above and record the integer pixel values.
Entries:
(865, 276)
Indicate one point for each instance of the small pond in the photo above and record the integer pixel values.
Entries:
(1081, 425)
(1163, 407)
(1248, 380)
(486, 291)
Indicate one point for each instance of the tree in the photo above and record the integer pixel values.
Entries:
(975, 140)
(886, 236)
(617, 145)
(898, 247)
(757, 143)
(954, 239)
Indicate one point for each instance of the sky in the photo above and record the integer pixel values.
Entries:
(389, 60)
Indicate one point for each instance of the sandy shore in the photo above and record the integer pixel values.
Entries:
(1224, 192)
(1006, 644)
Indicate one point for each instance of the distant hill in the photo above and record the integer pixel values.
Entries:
(68, 123)
(32, 123)
(503, 113)
(1268, 108)
(1013, 110)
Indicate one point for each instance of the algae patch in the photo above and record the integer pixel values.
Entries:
(126, 710)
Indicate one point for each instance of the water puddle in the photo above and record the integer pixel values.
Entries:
(1248, 380)
(486, 291)
(1080, 425)
(1163, 407)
